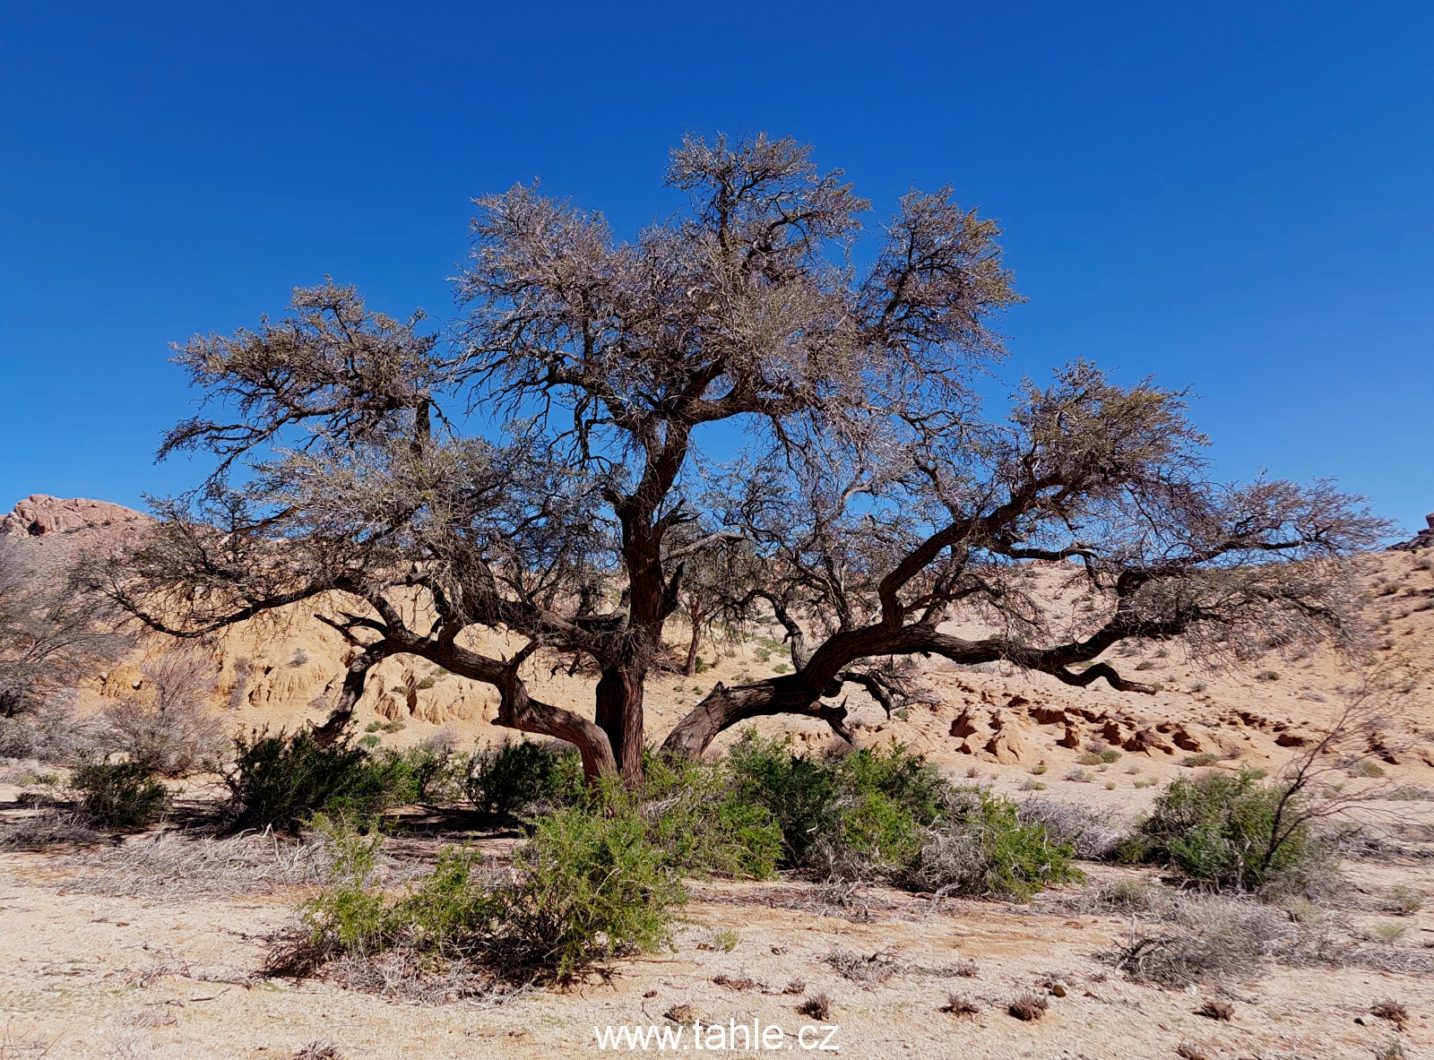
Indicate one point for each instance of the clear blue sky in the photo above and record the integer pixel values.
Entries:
(1236, 198)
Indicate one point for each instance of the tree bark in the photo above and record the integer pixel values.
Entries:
(619, 699)
(690, 667)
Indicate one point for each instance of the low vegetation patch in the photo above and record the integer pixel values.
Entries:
(1232, 832)
(887, 814)
(283, 780)
(585, 888)
(117, 794)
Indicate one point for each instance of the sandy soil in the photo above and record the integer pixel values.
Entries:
(176, 975)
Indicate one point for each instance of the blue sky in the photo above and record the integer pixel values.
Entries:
(1238, 199)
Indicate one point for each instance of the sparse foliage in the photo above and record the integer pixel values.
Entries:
(168, 725)
(51, 636)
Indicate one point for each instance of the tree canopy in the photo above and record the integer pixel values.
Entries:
(551, 465)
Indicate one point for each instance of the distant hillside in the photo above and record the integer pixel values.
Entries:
(284, 670)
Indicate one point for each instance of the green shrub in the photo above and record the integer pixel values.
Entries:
(117, 794)
(888, 813)
(523, 778)
(281, 781)
(592, 886)
(429, 772)
(1231, 832)
(983, 848)
(697, 815)
(585, 888)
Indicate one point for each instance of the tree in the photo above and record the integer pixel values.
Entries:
(547, 471)
(51, 636)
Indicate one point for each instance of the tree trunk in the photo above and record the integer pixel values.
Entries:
(690, 668)
(619, 698)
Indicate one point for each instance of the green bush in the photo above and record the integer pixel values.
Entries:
(861, 812)
(117, 794)
(1230, 832)
(429, 772)
(887, 813)
(524, 778)
(283, 780)
(697, 816)
(585, 888)
(984, 848)
(591, 886)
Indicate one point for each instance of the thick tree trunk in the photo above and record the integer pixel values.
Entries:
(619, 698)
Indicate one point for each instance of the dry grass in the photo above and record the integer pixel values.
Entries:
(406, 975)
(869, 971)
(48, 830)
(1028, 1007)
(172, 865)
(319, 1049)
(1217, 939)
(1089, 831)
(1216, 1010)
(960, 1005)
(1392, 1011)
(818, 1008)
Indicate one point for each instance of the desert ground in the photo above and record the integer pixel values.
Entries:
(154, 945)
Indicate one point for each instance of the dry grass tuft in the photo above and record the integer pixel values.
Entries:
(1028, 1007)
(1216, 1010)
(870, 970)
(960, 1005)
(1392, 1011)
(319, 1049)
(818, 1008)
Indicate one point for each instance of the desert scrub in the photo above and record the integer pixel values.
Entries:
(983, 848)
(1233, 833)
(697, 815)
(586, 888)
(888, 814)
(523, 777)
(281, 781)
(862, 812)
(117, 794)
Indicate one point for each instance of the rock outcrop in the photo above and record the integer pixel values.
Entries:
(1423, 539)
(41, 515)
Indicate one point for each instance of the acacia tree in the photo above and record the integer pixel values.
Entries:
(604, 410)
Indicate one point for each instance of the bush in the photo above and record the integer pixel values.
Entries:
(861, 813)
(698, 817)
(985, 849)
(282, 781)
(591, 886)
(1089, 832)
(1231, 832)
(169, 726)
(1216, 939)
(585, 888)
(55, 732)
(887, 813)
(430, 772)
(117, 794)
(524, 778)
